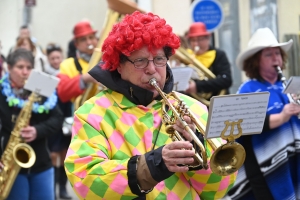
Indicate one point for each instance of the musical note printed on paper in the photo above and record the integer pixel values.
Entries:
(250, 108)
(41, 83)
(182, 76)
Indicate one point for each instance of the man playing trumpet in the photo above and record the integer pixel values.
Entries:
(120, 147)
(73, 71)
(212, 58)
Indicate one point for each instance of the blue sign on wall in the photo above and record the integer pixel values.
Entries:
(209, 12)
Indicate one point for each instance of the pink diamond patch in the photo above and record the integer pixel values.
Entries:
(119, 184)
(103, 102)
(117, 139)
(81, 189)
(172, 196)
(94, 120)
(128, 119)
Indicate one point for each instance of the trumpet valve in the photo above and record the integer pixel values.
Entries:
(170, 130)
(182, 108)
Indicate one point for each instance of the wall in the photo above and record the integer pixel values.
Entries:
(229, 39)
(244, 7)
(175, 12)
(52, 20)
(288, 14)
(288, 17)
(10, 21)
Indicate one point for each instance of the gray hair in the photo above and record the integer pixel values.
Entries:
(20, 54)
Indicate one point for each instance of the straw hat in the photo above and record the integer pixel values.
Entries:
(83, 28)
(198, 29)
(261, 39)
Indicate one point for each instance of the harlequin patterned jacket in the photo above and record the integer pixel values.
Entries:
(113, 127)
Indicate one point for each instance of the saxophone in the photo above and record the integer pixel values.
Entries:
(17, 154)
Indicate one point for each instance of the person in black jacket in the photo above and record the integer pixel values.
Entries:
(46, 119)
(212, 58)
(59, 143)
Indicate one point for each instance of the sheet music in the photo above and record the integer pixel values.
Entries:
(250, 107)
(182, 76)
(293, 85)
(41, 83)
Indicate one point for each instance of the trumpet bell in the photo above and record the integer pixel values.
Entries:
(228, 158)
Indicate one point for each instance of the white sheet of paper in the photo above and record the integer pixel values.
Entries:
(293, 85)
(182, 76)
(251, 107)
(41, 83)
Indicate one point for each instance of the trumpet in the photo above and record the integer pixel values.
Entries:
(283, 80)
(227, 158)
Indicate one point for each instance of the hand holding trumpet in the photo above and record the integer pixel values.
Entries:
(178, 154)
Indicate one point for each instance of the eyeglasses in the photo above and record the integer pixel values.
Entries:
(141, 63)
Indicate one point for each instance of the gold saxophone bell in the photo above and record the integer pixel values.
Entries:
(226, 159)
(24, 155)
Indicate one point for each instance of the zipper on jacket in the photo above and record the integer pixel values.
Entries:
(131, 90)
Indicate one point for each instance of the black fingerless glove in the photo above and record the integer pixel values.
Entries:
(132, 178)
(156, 165)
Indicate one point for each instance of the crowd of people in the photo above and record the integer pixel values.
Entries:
(47, 131)
(119, 146)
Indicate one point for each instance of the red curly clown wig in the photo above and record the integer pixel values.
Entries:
(134, 32)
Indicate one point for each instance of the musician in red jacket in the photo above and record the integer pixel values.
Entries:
(73, 71)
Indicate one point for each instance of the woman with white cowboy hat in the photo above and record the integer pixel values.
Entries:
(272, 166)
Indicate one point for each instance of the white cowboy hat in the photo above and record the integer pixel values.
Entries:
(262, 38)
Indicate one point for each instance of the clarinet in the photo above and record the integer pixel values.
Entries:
(283, 80)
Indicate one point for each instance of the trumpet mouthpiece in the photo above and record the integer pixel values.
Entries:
(90, 47)
(197, 48)
(152, 81)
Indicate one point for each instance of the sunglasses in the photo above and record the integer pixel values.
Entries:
(53, 47)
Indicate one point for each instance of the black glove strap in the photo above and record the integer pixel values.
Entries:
(132, 178)
(156, 165)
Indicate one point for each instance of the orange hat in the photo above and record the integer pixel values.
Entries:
(83, 28)
(198, 29)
